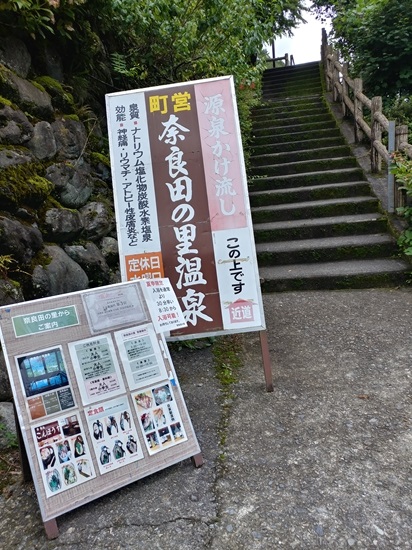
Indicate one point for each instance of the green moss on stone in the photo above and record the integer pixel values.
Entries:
(50, 84)
(72, 117)
(61, 98)
(38, 86)
(4, 102)
(24, 184)
(97, 158)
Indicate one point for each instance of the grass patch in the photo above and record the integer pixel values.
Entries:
(227, 363)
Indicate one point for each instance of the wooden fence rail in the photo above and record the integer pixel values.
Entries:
(348, 92)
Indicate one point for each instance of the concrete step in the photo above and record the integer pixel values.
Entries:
(309, 178)
(310, 65)
(290, 104)
(296, 77)
(317, 224)
(291, 141)
(279, 128)
(277, 113)
(305, 166)
(292, 120)
(376, 273)
(295, 92)
(314, 209)
(292, 88)
(309, 193)
(314, 228)
(291, 70)
(301, 154)
(329, 249)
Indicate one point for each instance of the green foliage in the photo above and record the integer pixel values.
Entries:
(168, 41)
(194, 344)
(376, 37)
(109, 45)
(402, 169)
(165, 41)
(35, 16)
(40, 18)
(6, 261)
(400, 109)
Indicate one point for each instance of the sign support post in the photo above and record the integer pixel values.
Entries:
(267, 369)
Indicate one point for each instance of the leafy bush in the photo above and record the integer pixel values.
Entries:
(402, 169)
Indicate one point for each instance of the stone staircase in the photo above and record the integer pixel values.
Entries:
(317, 223)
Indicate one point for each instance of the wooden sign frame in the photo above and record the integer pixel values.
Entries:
(37, 336)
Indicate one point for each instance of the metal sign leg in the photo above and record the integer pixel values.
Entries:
(266, 360)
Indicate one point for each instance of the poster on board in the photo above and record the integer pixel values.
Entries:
(96, 368)
(63, 454)
(45, 382)
(181, 199)
(113, 433)
(159, 418)
(141, 356)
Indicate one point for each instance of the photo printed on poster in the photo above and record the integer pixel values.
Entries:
(141, 356)
(63, 454)
(114, 435)
(96, 368)
(159, 418)
(110, 308)
(45, 382)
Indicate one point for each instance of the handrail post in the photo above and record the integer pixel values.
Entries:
(286, 60)
(323, 48)
(335, 77)
(376, 134)
(345, 88)
(329, 86)
(401, 136)
(358, 108)
(391, 177)
(273, 53)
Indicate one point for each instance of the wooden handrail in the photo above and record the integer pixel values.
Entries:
(348, 92)
(289, 60)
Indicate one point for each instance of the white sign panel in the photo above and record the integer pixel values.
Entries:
(204, 242)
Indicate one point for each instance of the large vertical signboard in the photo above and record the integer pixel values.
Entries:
(97, 398)
(181, 201)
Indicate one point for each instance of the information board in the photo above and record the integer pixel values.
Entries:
(181, 199)
(95, 390)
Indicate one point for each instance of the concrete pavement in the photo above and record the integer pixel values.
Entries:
(323, 461)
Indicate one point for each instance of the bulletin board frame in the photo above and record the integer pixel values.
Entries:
(35, 338)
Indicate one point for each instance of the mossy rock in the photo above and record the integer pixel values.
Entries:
(62, 100)
(24, 184)
(6, 102)
(99, 158)
(33, 99)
